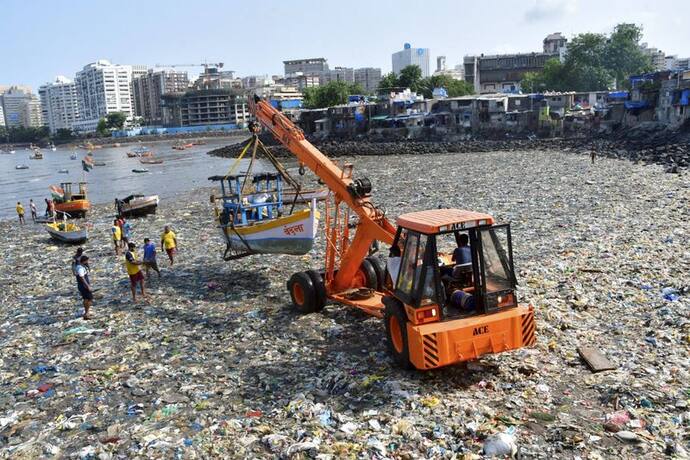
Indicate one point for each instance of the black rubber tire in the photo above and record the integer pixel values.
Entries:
(380, 270)
(369, 274)
(319, 289)
(395, 309)
(308, 304)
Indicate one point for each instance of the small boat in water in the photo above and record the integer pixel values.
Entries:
(22, 166)
(99, 163)
(63, 171)
(52, 147)
(67, 232)
(150, 161)
(73, 156)
(37, 155)
(140, 170)
(199, 142)
(137, 205)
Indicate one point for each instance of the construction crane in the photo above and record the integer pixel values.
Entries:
(438, 310)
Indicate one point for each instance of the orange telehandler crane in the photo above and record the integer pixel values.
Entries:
(437, 309)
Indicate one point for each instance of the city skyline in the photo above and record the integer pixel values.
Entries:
(150, 32)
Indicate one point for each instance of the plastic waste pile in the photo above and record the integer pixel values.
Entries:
(215, 364)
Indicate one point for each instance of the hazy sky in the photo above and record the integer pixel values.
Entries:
(43, 38)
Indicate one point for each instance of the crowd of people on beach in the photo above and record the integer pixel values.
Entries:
(121, 235)
(137, 267)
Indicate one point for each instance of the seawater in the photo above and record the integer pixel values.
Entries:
(181, 170)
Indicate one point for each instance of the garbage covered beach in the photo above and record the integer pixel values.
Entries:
(216, 364)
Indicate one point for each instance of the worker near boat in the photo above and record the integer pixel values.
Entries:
(169, 243)
(136, 276)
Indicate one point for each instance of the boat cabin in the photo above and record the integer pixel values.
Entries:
(264, 201)
(70, 194)
(459, 261)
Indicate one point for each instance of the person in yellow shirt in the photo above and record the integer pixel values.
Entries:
(117, 236)
(20, 212)
(136, 276)
(169, 243)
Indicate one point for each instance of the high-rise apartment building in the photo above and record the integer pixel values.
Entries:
(21, 108)
(411, 56)
(344, 74)
(368, 78)
(656, 56)
(59, 104)
(148, 88)
(312, 66)
(2, 116)
(102, 88)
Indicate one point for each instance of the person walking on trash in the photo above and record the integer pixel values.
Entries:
(150, 262)
(81, 272)
(116, 231)
(20, 212)
(169, 243)
(136, 276)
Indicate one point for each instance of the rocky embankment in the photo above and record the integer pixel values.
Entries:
(673, 155)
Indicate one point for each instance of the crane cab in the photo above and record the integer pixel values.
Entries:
(451, 290)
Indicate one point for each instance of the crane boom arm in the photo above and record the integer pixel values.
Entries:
(372, 226)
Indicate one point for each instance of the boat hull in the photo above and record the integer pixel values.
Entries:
(67, 237)
(74, 208)
(292, 235)
(139, 207)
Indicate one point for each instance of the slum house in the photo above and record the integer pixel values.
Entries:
(674, 99)
(644, 97)
(614, 110)
(520, 116)
(314, 121)
(491, 110)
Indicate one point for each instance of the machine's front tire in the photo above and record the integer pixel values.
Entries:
(319, 289)
(366, 275)
(379, 269)
(302, 292)
(395, 320)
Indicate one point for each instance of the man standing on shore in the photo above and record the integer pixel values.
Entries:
(117, 236)
(20, 212)
(150, 258)
(81, 272)
(169, 243)
(32, 207)
(134, 271)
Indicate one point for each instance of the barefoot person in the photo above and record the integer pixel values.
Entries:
(136, 276)
(20, 212)
(81, 272)
(32, 207)
(117, 236)
(150, 258)
(169, 243)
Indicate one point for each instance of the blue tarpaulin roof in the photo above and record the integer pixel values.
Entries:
(618, 94)
(636, 104)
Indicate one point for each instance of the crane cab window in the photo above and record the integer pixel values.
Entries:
(416, 282)
(496, 266)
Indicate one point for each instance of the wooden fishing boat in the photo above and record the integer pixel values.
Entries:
(140, 170)
(73, 204)
(137, 205)
(199, 142)
(63, 171)
(37, 155)
(132, 155)
(67, 232)
(73, 156)
(22, 166)
(254, 224)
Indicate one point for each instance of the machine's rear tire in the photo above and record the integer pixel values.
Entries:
(367, 275)
(379, 269)
(395, 320)
(319, 289)
(302, 292)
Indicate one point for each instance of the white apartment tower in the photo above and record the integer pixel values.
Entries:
(21, 108)
(411, 56)
(59, 103)
(102, 88)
